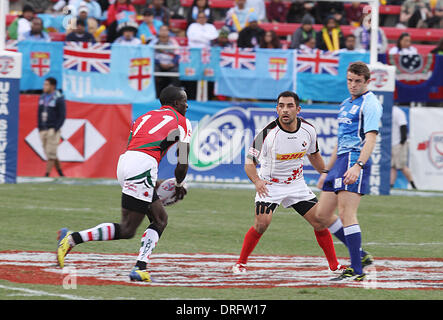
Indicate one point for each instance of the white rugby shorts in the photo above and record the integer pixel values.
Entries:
(287, 194)
(137, 174)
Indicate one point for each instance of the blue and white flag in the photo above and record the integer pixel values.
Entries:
(40, 61)
(321, 75)
(257, 74)
(109, 74)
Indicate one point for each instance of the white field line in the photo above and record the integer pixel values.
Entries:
(39, 293)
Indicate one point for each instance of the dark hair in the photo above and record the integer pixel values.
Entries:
(81, 22)
(169, 95)
(361, 69)
(289, 94)
(52, 81)
(404, 34)
(274, 40)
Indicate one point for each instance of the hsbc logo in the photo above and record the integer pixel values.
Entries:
(80, 141)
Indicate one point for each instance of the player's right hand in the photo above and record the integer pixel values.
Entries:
(260, 187)
(180, 193)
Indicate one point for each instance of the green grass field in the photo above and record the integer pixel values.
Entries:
(210, 221)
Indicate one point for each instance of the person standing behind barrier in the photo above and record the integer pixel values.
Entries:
(51, 116)
(399, 153)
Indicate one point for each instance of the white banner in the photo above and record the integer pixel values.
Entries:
(426, 147)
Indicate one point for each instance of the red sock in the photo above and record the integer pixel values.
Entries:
(324, 240)
(251, 239)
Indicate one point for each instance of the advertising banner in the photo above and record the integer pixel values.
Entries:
(10, 73)
(92, 138)
(426, 147)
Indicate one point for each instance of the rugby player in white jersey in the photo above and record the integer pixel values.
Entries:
(280, 149)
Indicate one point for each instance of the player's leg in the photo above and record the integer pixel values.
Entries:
(262, 220)
(130, 220)
(307, 209)
(348, 203)
(158, 221)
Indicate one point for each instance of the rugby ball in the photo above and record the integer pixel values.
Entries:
(166, 191)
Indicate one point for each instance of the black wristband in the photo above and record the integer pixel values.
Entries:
(325, 171)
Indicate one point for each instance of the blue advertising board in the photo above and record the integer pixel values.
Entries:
(10, 73)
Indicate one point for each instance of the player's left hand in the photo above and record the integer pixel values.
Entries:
(180, 193)
(351, 175)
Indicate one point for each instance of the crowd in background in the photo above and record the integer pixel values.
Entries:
(148, 22)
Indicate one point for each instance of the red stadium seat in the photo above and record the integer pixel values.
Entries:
(182, 41)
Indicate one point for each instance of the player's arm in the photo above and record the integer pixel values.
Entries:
(182, 168)
(317, 161)
(251, 172)
(351, 175)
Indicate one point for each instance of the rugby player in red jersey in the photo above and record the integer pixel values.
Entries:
(151, 136)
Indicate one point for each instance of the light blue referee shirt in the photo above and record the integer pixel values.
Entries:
(355, 118)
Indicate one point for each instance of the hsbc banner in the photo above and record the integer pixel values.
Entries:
(426, 147)
(223, 132)
(10, 73)
(92, 138)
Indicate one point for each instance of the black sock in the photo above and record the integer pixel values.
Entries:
(413, 184)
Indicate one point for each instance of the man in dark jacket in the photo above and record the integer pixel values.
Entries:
(250, 36)
(51, 116)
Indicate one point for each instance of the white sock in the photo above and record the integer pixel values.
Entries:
(148, 243)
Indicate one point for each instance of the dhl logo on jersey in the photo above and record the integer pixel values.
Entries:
(290, 156)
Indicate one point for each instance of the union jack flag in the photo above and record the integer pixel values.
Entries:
(87, 57)
(318, 61)
(238, 58)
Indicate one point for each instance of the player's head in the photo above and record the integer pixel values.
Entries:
(49, 85)
(175, 97)
(358, 77)
(288, 107)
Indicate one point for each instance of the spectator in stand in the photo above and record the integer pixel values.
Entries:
(36, 33)
(22, 24)
(354, 14)
(439, 48)
(166, 60)
(403, 45)
(326, 9)
(201, 33)
(40, 6)
(148, 29)
(270, 40)
(259, 8)
(436, 21)
(118, 12)
(128, 31)
(308, 45)
(237, 18)
(80, 34)
(414, 13)
(222, 41)
(363, 37)
(94, 9)
(276, 11)
(300, 9)
(304, 32)
(83, 14)
(197, 7)
(250, 36)
(330, 37)
(160, 11)
(350, 45)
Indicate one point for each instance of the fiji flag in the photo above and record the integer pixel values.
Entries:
(40, 61)
(189, 64)
(261, 74)
(321, 75)
(125, 76)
